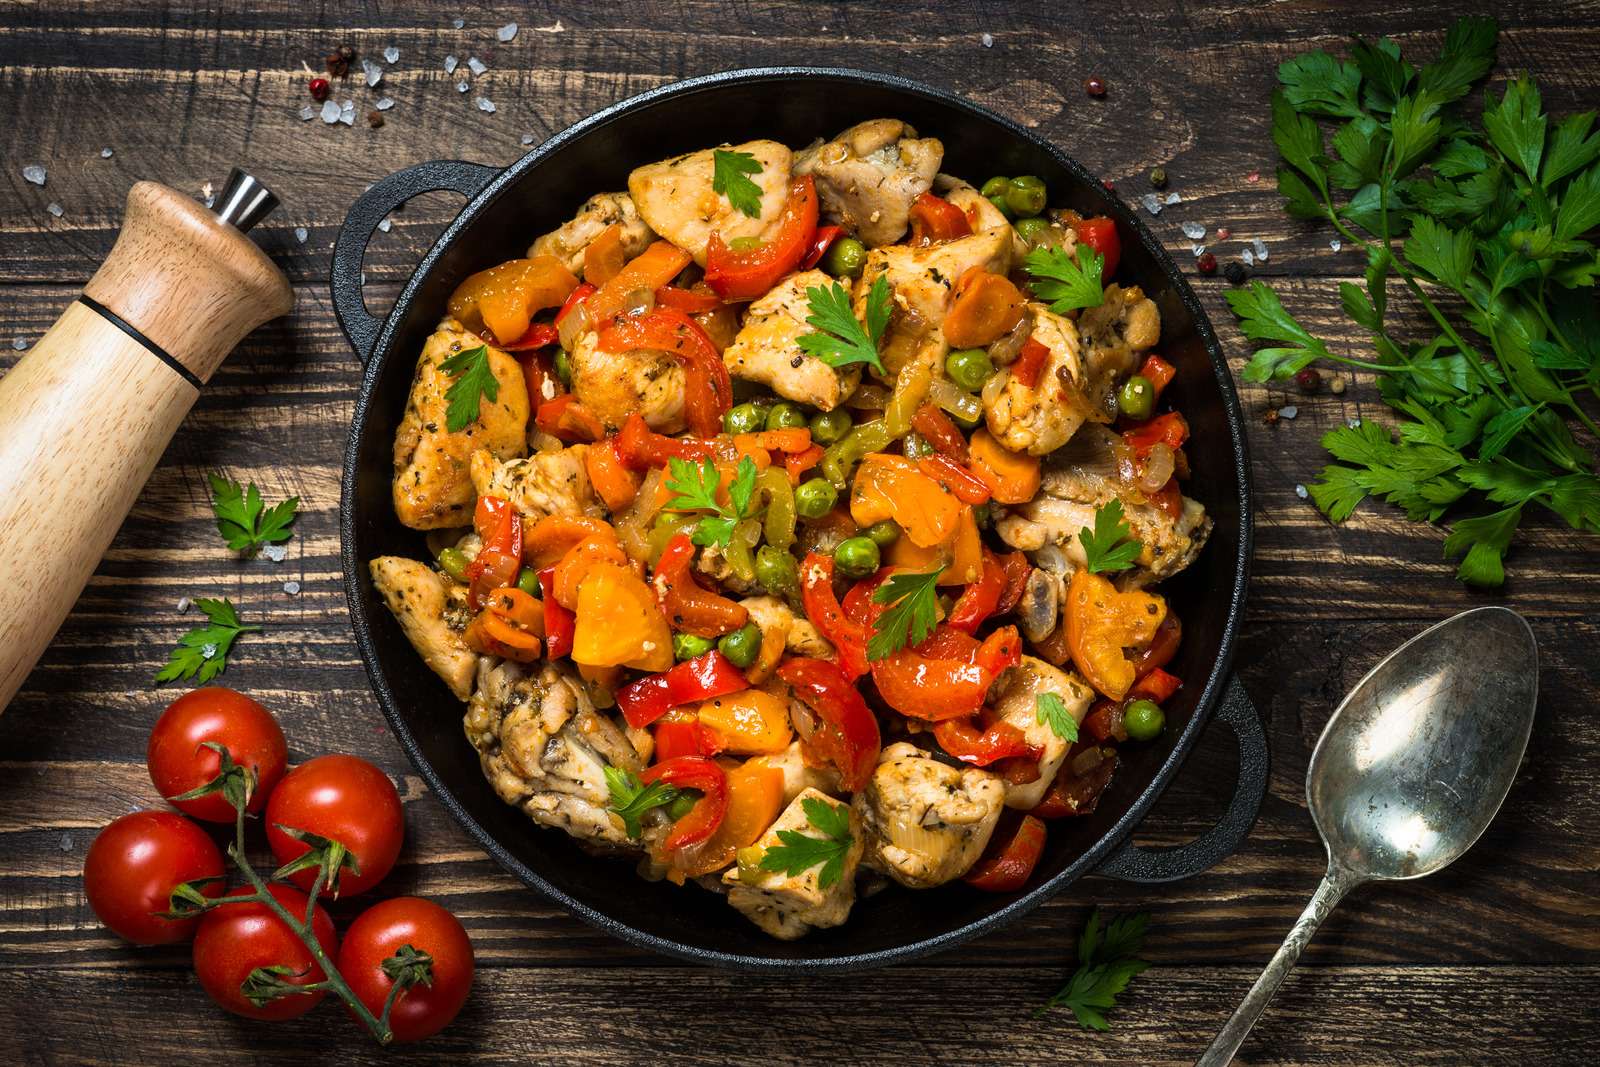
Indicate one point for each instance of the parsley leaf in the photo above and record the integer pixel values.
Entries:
(1263, 318)
(1106, 964)
(1515, 125)
(841, 340)
(1484, 539)
(243, 520)
(631, 798)
(695, 489)
(1067, 283)
(1110, 545)
(474, 379)
(1320, 84)
(1050, 709)
(202, 653)
(728, 177)
(910, 618)
(1468, 53)
(800, 852)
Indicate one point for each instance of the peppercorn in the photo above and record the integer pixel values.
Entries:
(1158, 178)
(319, 89)
(1308, 380)
(339, 61)
(1207, 263)
(1336, 386)
(1271, 417)
(1234, 272)
(375, 119)
(1095, 86)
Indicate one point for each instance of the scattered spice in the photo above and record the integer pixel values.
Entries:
(1309, 379)
(1253, 177)
(105, 153)
(1095, 86)
(1193, 230)
(1234, 271)
(1151, 203)
(57, 210)
(35, 173)
(319, 89)
(1301, 491)
(987, 40)
(1336, 387)
(1158, 178)
(391, 54)
(1207, 263)
(1288, 411)
(1110, 188)
(375, 119)
(1270, 417)
(506, 33)
(339, 61)
(477, 66)
(1223, 233)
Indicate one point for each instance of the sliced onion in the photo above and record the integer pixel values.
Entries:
(804, 719)
(955, 400)
(1086, 761)
(1004, 350)
(870, 397)
(574, 324)
(633, 526)
(1158, 468)
(638, 301)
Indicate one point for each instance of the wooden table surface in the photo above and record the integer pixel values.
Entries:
(1496, 960)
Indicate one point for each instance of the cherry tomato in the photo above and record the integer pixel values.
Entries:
(1100, 234)
(179, 763)
(133, 867)
(423, 1009)
(344, 799)
(235, 939)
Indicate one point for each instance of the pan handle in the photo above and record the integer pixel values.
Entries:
(1134, 864)
(371, 208)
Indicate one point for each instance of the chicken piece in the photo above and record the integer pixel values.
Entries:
(419, 596)
(1017, 702)
(800, 637)
(788, 906)
(1040, 418)
(868, 176)
(926, 822)
(546, 483)
(923, 278)
(983, 214)
(568, 241)
(432, 489)
(1113, 337)
(1076, 482)
(676, 199)
(545, 749)
(614, 385)
(766, 351)
(798, 775)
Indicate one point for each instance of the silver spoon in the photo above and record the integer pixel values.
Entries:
(1409, 772)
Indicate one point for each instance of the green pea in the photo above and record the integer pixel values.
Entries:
(916, 446)
(1000, 202)
(744, 244)
(745, 418)
(883, 534)
(856, 557)
(1143, 719)
(1026, 196)
(1138, 397)
(785, 416)
(528, 581)
(776, 570)
(969, 368)
(690, 646)
(682, 804)
(996, 186)
(1030, 229)
(815, 498)
(846, 258)
(830, 426)
(742, 646)
(454, 562)
(563, 366)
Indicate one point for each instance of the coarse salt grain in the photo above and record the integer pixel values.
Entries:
(276, 553)
(301, 233)
(1151, 203)
(35, 173)
(307, 113)
(527, 138)
(183, 604)
(1261, 249)
(373, 72)
(1197, 250)
(208, 651)
(1301, 492)
(558, 28)
(1193, 231)
(1354, 424)
(485, 104)
(105, 153)
(54, 209)
(330, 111)
(462, 86)
(458, 23)
(450, 63)
(19, 344)
(1249, 257)
(477, 66)
(506, 32)
(291, 587)
(1288, 411)
(391, 54)
(385, 225)
(384, 103)
(66, 842)
(988, 40)
(1335, 244)
(1172, 198)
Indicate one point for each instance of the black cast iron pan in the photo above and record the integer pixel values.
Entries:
(505, 210)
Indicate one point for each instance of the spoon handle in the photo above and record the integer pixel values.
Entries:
(1335, 884)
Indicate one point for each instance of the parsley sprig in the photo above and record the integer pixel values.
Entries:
(913, 610)
(1110, 545)
(1068, 282)
(244, 520)
(695, 489)
(729, 172)
(202, 653)
(799, 852)
(1107, 962)
(474, 378)
(841, 340)
(1051, 710)
(631, 798)
(1498, 215)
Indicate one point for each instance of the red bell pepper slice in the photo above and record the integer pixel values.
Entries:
(1030, 362)
(1017, 569)
(537, 375)
(578, 295)
(539, 335)
(691, 301)
(498, 561)
(693, 772)
(1071, 794)
(848, 637)
(1169, 429)
(941, 433)
(1158, 686)
(937, 680)
(797, 463)
(1158, 372)
(847, 732)
(641, 447)
(933, 218)
(1000, 740)
(824, 238)
(708, 388)
(746, 275)
(559, 621)
(689, 606)
(1008, 861)
(1104, 721)
(685, 737)
(1162, 647)
(981, 598)
(1169, 499)
(711, 675)
(967, 487)
(1100, 234)
(564, 417)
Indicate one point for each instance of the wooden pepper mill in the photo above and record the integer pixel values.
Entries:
(85, 415)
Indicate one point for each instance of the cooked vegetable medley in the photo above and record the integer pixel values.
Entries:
(794, 515)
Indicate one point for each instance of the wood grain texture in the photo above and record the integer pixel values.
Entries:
(1496, 960)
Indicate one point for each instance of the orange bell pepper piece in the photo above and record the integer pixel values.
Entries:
(614, 480)
(891, 487)
(1101, 622)
(755, 799)
(603, 259)
(506, 297)
(553, 535)
(650, 269)
(1012, 477)
(579, 560)
(619, 623)
(751, 723)
(986, 306)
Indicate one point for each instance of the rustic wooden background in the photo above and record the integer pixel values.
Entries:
(1495, 961)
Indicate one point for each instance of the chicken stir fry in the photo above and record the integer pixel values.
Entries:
(795, 516)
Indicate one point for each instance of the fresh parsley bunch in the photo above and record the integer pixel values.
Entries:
(1487, 226)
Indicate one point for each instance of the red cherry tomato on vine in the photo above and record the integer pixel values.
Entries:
(179, 763)
(378, 933)
(344, 799)
(133, 867)
(235, 939)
